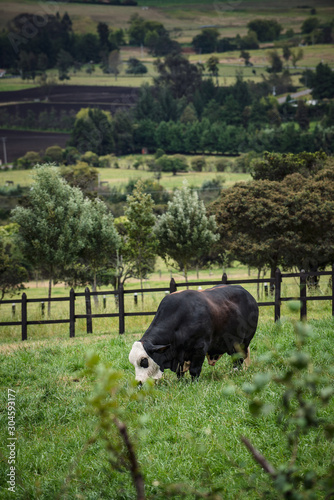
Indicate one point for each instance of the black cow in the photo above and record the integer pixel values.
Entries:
(190, 325)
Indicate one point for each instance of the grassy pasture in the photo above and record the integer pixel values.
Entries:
(229, 66)
(187, 16)
(121, 176)
(188, 433)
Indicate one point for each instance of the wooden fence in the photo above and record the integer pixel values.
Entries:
(274, 292)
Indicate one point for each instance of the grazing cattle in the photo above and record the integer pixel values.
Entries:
(190, 325)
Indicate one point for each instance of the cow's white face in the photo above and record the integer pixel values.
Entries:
(145, 367)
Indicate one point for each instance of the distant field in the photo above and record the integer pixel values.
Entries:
(230, 64)
(188, 16)
(121, 176)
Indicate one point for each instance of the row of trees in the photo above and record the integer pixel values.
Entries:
(184, 113)
(35, 43)
(121, 135)
(264, 30)
(65, 235)
(285, 221)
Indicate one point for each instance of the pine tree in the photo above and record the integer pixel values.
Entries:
(184, 231)
(140, 241)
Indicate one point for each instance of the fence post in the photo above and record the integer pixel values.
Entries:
(224, 278)
(333, 290)
(13, 310)
(121, 308)
(302, 295)
(278, 279)
(24, 316)
(72, 313)
(172, 286)
(89, 325)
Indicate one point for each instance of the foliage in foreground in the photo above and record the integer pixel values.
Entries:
(299, 410)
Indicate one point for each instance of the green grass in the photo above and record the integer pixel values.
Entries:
(189, 433)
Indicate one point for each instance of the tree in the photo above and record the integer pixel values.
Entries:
(80, 175)
(271, 224)
(52, 231)
(212, 66)
(12, 272)
(206, 41)
(54, 154)
(177, 73)
(114, 62)
(184, 231)
(140, 241)
(302, 115)
(309, 25)
(297, 54)
(64, 62)
(245, 56)
(267, 30)
(276, 166)
(323, 82)
(103, 32)
(286, 53)
(135, 67)
(275, 61)
(102, 239)
(92, 131)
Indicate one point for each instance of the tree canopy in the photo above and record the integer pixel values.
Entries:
(52, 229)
(269, 223)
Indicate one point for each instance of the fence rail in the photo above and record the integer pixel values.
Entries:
(275, 287)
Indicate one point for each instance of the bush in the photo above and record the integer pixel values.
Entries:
(176, 163)
(91, 158)
(29, 160)
(54, 154)
(198, 164)
(222, 164)
(136, 67)
(105, 161)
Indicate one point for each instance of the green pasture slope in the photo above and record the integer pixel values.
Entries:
(184, 432)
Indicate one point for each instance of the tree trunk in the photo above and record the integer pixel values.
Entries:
(141, 287)
(258, 284)
(49, 297)
(96, 299)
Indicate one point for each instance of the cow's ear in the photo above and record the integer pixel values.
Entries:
(160, 348)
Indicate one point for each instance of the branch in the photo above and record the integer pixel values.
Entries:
(260, 459)
(137, 477)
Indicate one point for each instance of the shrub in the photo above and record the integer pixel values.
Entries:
(29, 160)
(222, 164)
(198, 164)
(54, 154)
(91, 158)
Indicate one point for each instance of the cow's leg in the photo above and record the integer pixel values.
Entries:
(182, 369)
(196, 366)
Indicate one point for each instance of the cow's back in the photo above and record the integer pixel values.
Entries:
(235, 315)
